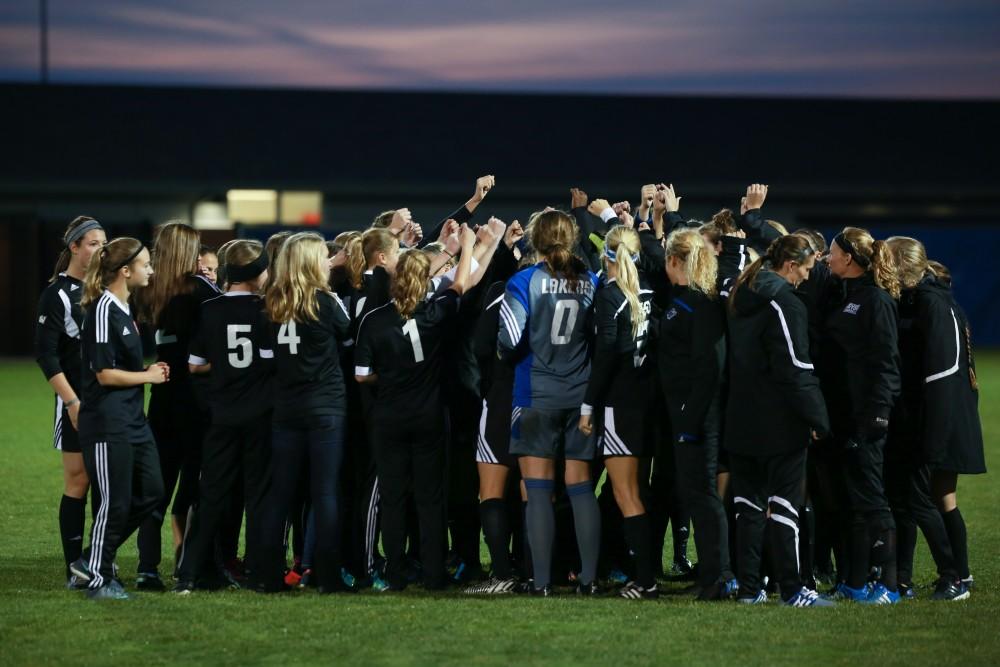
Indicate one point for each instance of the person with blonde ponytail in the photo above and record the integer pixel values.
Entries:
(545, 328)
(692, 349)
(178, 411)
(400, 348)
(859, 372)
(233, 346)
(935, 432)
(619, 395)
(57, 351)
(309, 325)
(773, 410)
(117, 443)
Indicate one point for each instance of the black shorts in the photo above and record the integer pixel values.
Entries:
(64, 436)
(551, 434)
(626, 433)
(493, 442)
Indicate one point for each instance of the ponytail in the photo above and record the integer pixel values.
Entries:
(700, 265)
(789, 248)
(409, 282)
(620, 244)
(884, 268)
(554, 234)
(105, 265)
(355, 266)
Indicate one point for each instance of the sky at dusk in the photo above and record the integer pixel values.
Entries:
(893, 48)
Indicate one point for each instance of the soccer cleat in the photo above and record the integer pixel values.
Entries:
(633, 591)
(732, 588)
(720, 590)
(618, 577)
(81, 570)
(681, 567)
(592, 589)
(760, 598)
(292, 578)
(492, 586)
(348, 578)
(525, 587)
(109, 591)
(880, 595)
(183, 588)
(149, 581)
(74, 583)
(844, 592)
(544, 592)
(969, 582)
(808, 598)
(907, 591)
(379, 584)
(306, 579)
(951, 591)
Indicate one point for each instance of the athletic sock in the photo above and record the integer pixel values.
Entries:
(959, 538)
(527, 566)
(861, 545)
(496, 531)
(906, 544)
(807, 542)
(637, 536)
(681, 532)
(587, 521)
(72, 513)
(540, 522)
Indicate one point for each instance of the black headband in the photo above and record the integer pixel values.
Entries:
(240, 274)
(127, 261)
(848, 247)
(77, 233)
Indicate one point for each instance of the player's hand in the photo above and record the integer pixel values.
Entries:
(671, 202)
(400, 220)
(585, 425)
(598, 206)
(412, 234)
(158, 373)
(497, 228)
(74, 415)
(467, 238)
(756, 194)
(577, 198)
(483, 186)
(514, 234)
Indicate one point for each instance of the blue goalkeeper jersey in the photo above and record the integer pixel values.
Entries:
(546, 326)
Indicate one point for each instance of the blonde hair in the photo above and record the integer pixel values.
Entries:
(241, 252)
(383, 219)
(105, 265)
(700, 265)
(354, 268)
(778, 227)
(554, 235)
(175, 254)
(291, 294)
(409, 283)
(911, 259)
(880, 260)
(624, 242)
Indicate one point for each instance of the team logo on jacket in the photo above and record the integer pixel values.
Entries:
(125, 331)
(852, 308)
(671, 314)
(41, 319)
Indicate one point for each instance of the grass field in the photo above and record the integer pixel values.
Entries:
(40, 622)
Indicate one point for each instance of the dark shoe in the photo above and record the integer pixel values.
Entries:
(183, 588)
(952, 591)
(544, 592)
(81, 570)
(592, 589)
(109, 591)
(74, 583)
(907, 591)
(149, 581)
(633, 591)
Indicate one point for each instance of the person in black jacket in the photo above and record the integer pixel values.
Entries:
(691, 350)
(775, 406)
(57, 351)
(936, 433)
(178, 412)
(860, 379)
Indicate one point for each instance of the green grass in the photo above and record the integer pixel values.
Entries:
(42, 623)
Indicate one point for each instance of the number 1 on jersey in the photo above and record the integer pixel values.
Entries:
(287, 336)
(410, 329)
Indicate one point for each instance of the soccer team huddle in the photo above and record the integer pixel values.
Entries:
(364, 409)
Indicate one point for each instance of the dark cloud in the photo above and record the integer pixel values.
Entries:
(915, 48)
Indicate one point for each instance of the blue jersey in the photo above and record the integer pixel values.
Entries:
(546, 324)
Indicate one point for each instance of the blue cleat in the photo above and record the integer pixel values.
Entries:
(760, 598)
(845, 592)
(808, 598)
(880, 595)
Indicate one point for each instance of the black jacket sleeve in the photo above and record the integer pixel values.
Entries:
(787, 349)
(882, 358)
(708, 349)
(733, 259)
(460, 216)
(759, 233)
(48, 329)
